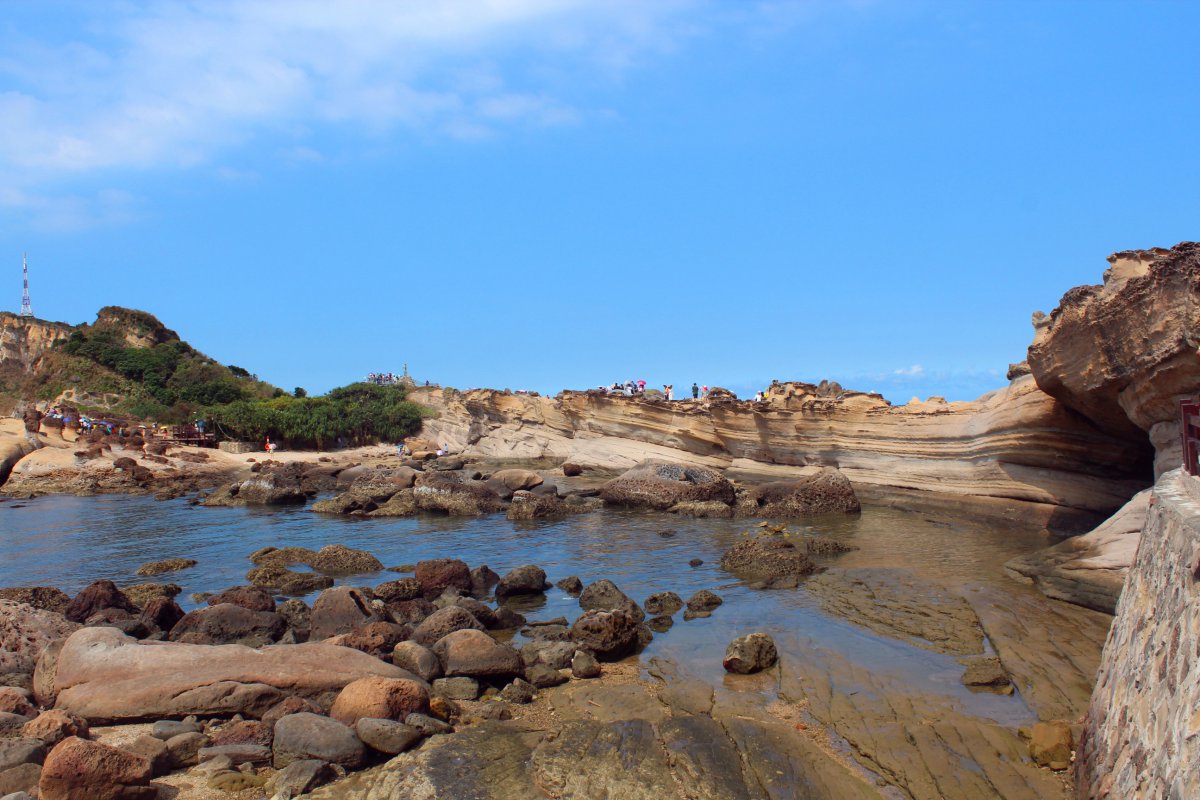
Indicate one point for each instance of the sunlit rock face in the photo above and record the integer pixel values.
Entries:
(1124, 353)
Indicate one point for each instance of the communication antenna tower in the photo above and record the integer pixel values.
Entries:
(26, 308)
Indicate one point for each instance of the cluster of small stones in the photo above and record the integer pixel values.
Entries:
(1142, 733)
(434, 625)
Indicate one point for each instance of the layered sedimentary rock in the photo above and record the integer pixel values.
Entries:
(1014, 444)
(1124, 353)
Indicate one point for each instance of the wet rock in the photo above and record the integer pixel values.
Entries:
(507, 481)
(749, 654)
(610, 635)
(78, 769)
(660, 624)
(474, 654)
(54, 725)
(661, 603)
(986, 672)
(437, 575)
(902, 605)
(379, 698)
(417, 659)
(287, 581)
(660, 485)
(44, 597)
(703, 600)
(229, 624)
(702, 509)
(571, 469)
(269, 487)
(603, 595)
(398, 590)
(768, 556)
(459, 688)
(426, 725)
(483, 578)
(184, 749)
(584, 665)
(290, 705)
(826, 492)
(165, 566)
(507, 619)
(97, 597)
(538, 505)
(308, 736)
(340, 610)
(253, 598)
(301, 777)
(298, 616)
(479, 610)
(527, 579)
(443, 622)
(441, 493)
(338, 560)
(695, 562)
(543, 676)
(570, 585)
(1050, 744)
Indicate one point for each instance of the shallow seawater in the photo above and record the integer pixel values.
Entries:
(68, 542)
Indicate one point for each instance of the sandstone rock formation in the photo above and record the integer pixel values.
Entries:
(103, 675)
(1124, 353)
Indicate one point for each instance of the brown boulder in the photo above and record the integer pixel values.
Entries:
(376, 638)
(78, 769)
(254, 598)
(55, 725)
(770, 556)
(340, 610)
(442, 622)
(162, 613)
(473, 654)
(611, 635)
(97, 597)
(290, 705)
(660, 485)
(439, 574)
(46, 598)
(379, 698)
(229, 624)
(826, 492)
(443, 493)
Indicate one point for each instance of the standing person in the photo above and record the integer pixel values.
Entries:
(641, 386)
(695, 391)
(704, 391)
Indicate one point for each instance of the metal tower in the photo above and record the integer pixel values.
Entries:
(26, 308)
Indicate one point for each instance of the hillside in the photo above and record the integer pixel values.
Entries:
(126, 363)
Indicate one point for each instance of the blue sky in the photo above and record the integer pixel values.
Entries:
(552, 194)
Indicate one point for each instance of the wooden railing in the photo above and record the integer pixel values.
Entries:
(1189, 428)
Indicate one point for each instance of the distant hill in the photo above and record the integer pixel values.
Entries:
(126, 362)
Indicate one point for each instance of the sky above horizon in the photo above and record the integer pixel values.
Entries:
(550, 194)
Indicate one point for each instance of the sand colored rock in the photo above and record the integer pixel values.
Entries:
(103, 675)
(25, 632)
(78, 769)
(378, 697)
(660, 485)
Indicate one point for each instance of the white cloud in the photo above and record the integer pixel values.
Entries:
(915, 371)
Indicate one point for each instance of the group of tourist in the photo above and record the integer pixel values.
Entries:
(628, 388)
(382, 378)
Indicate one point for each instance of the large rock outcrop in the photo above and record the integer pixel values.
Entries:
(1124, 353)
(103, 675)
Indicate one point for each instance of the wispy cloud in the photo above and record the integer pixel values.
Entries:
(915, 371)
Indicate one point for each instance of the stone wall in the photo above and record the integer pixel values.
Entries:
(1141, 738)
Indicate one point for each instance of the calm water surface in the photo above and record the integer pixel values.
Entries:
(69, 542)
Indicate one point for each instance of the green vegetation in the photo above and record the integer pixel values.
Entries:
(358, 414)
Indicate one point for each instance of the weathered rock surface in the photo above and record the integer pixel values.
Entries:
(1122, 354)
(660, 485)
(309, 736)
(475, 654)
(103, 675)
(78, 769)
(438, 574)
(377, 697)
(902, 605)
(1089, 570)
(340, 610)
(229, 624)
(25, 632)
(97, 597)
(763, 557)
(825, 492)
(753, 652)
(610, 635)
(442, 622)
(603, 595)
(527, 579)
